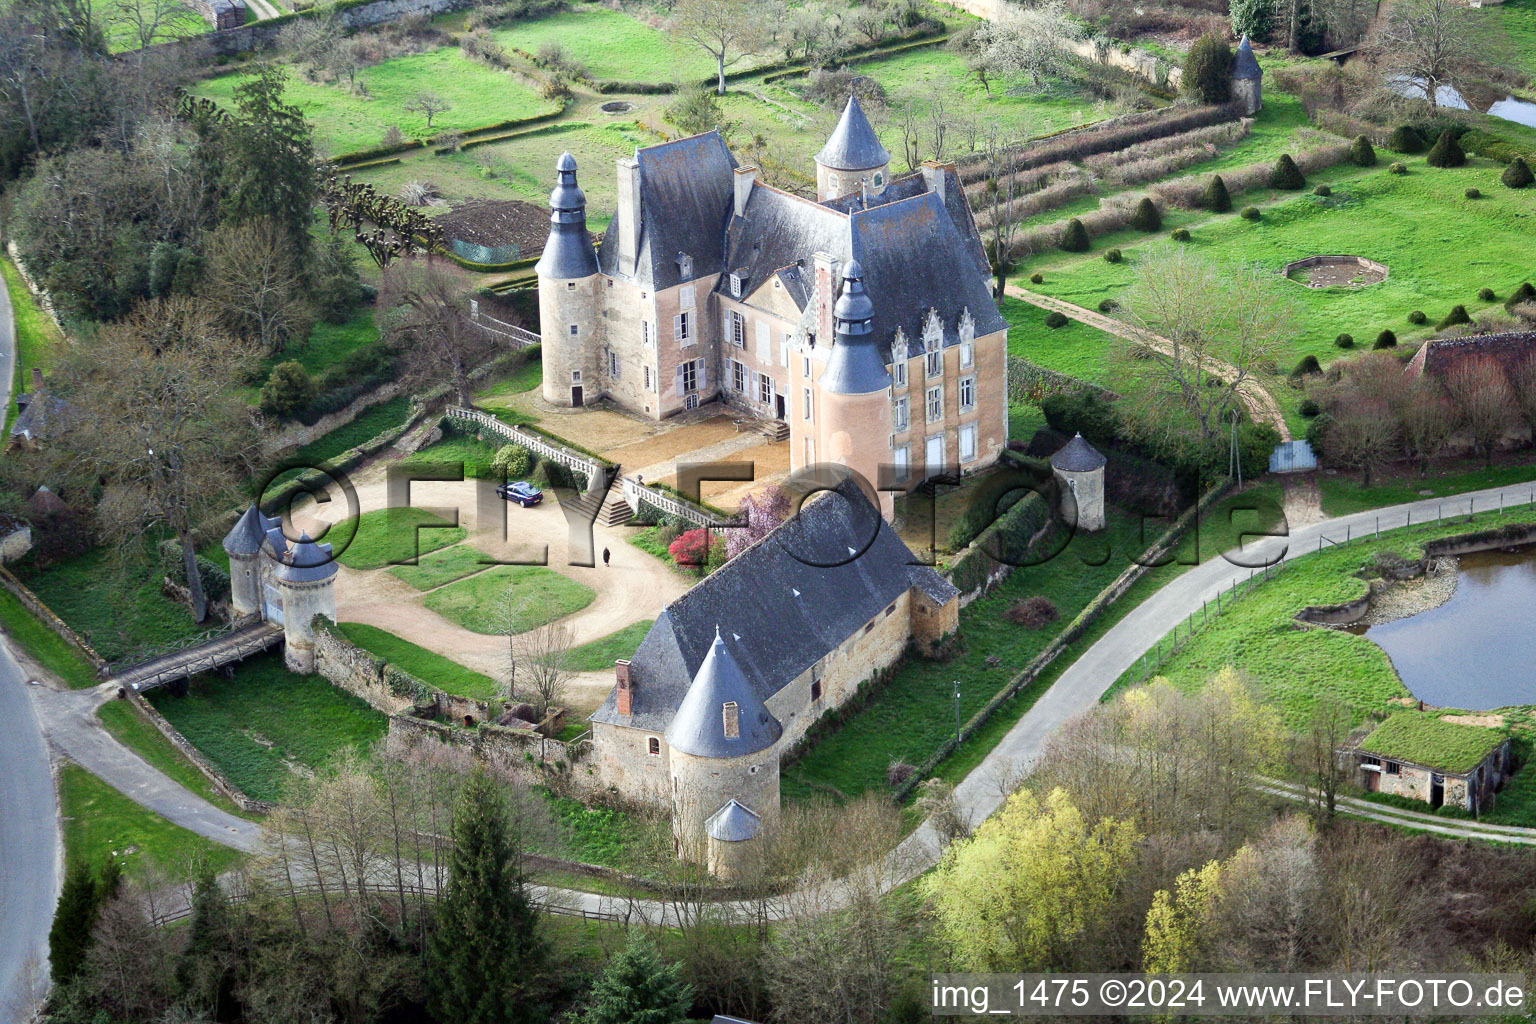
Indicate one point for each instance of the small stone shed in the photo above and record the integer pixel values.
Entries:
(1424, 757)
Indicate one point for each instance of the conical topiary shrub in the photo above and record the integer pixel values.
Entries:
(1446, 152)
(1286, 174)
(1386, 339)
(1217, 198)
(1146, 217)
(1362, 153)
(1457, 315)
(1075, 238)
(1405, 139)
(1525, 293)
(1517, 174)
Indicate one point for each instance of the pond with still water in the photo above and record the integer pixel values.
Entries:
(1478, 650)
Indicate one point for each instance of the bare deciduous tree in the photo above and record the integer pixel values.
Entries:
(1484, 402)
(728, 30)
(429, 318)
(1427, 423)
(151, 21)
(1430, 43)
(1267, 913)
(1363, 436)
(1317, 756)
(1025, 42)
(254, 279)
(540, 662)
(428, 105)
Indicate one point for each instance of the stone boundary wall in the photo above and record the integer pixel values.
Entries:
(350, 668)
(35, 605)
(246, 803)
(297, 435)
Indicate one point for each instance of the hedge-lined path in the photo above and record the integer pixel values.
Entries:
(1261, 404)
(1401, 817)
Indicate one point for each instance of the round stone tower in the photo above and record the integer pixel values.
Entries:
(243, 545)
(855, 389)
(1247, 78)
(568, 296)
(721, 753)
(1080, 468)
(853, 158)
(305, 576)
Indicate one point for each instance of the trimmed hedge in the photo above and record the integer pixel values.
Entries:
(1386, 339)
(1457, 315)
(1446, 152)
(1362, 153)
(1113, 255)
(1286, 174)
(1525, 293)
(1054, 320)
(1217, 198)
(1405, 139)
(1345, 341)
(1180, 235)
(1075, 238)
(1517, 174)
(1146, 218)
(1251, 213)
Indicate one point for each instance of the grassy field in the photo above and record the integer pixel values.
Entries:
(1075, 349)
(1342, 494)
(116, 608)
(368, 425)
(99, 822)
(600, 654)
(392, 536)
(430, 667)
(613, 45)
(442, 566)
(1517, 19)
(458, 450)
(43, 645)
(1293, 665)
(37, 337)
(122, 36)
(345, 121)
(265, 726)
(135, 732)
(537, 595)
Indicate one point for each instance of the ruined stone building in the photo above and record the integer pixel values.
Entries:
(734, 672)
(862, 321)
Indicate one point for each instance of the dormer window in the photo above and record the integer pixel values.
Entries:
(738, 283)
(730, 712)
(684, 266)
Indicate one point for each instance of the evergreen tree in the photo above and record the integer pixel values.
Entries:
(1208, 71)
(1253, 18)
(1406, 139)
(80, 902)
(1525, 293)
(486, 952)
(268, 160)
(1217, 198)
(1457, 315)
(1146, 217)
(638, 987)
(203, 970)
(1362, 153)
(1075, 238)
(1286, 174)
(289, 390)
(1446, 152)
(1517, 174)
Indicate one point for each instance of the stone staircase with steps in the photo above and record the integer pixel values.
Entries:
(611, 508)
(774, 430)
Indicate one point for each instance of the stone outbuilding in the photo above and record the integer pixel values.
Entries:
(1247, 78)
(1080, 468)
(732, 674)
(1422, 757)
(286, 585)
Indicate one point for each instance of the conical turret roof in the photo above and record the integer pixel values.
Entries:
(308, 562)
(1078, 456)
(1245, 64)
(853, 145)
(698, 728)
(246, 536)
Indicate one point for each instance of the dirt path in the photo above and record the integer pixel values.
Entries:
(1303, 501)
(1261, 404)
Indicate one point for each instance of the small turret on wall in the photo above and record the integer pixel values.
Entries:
(568, 296)
(1080, 469)
(306, 578)
(1247, 78)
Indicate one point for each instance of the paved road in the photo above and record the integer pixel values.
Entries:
(30, 846)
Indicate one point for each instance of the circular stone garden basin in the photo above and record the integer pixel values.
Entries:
(1336, 272)
(616, 107)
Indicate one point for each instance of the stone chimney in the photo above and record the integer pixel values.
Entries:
(933, 176)
(745, 176)
(624, 693)
(826, 295)
(37, 380)
(629, 215)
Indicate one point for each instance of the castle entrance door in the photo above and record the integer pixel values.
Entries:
(272, 604)
(575, 394)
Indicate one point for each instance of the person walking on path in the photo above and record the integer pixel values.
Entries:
(605, 558)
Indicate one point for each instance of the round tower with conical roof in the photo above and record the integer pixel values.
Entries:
(855, 412)
(1247, 78)
(243, 545)
(1079, 468)
(569, 320)
(305, 577)
(853, 158)
(724, 765)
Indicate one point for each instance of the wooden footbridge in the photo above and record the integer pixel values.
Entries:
(202, 654)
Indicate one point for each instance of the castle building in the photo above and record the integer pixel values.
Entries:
(863, 320)
(1247, 78)
(732, 674)
(281, 584)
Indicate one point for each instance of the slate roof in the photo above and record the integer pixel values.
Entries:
(781, 605)
(568, 254)
(307, 562)
(732, 823)
(249, 532)
(853, 145)
(1078, 456)
(687, 196)
(32, 423)
(1245, 64)
(856, 365)
(698, 727)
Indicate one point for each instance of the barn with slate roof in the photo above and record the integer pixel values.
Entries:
(713, 286)
(731, 674)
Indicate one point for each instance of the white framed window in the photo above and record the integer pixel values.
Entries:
(903, 462)
(650, 380)
(613, 364)
(967, 393)
(967, 355)
(738, 377)
(936, 404)
(688, 375)
(682, 326)
(805, 367)
(735, 328)
(764, 388)
(575, 330)
(968, 442)
(645, 332)
(738, 281)
(900, 419)
(684, 266)
(899, 373)
(934, 362)
(805, 394)
(685, 297)
(575, 376)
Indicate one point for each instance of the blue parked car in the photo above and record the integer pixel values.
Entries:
(522, 492)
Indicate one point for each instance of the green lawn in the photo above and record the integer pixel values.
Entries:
(266, 725)
(1342, 494)
(116, 608)
(37, 337)
(372, 422)
(443, 566)
(392, 536)
(122, 36)
(1292, 665)
(43, 645)
(345, 122)
(527, 377)
(458, 450)
(1075, 349)
(135, 732)
(613, 45)
(428, 666)
(1517, 18)
(600, 654)
(538, 595)
(99, 822)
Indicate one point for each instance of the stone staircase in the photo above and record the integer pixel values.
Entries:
(774, 430)
(611, 509)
